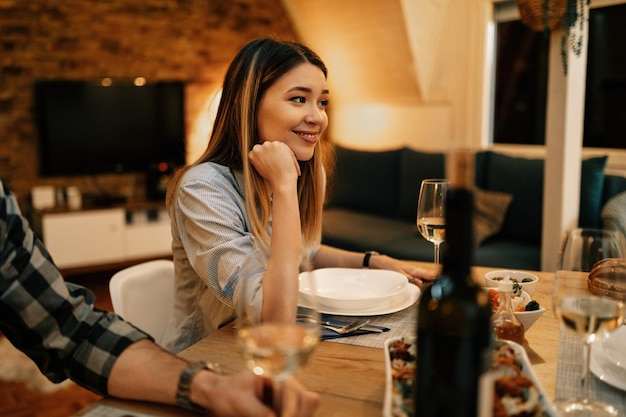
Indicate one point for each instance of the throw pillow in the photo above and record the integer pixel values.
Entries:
(523, 178)
(490, 208)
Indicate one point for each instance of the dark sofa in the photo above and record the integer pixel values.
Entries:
(373, 202)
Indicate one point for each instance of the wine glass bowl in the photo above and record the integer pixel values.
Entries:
(581, 311)
(275, 348)
(431, 212)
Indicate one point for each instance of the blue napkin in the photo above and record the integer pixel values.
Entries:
(327, 334)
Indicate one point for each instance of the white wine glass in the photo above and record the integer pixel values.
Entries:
(587, 315)
(431, 213)
(277, 348)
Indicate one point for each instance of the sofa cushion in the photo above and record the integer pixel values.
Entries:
(416, 166)
(523, 178)
(508, 254)
(366, 181)
(360, 232)
(490, 208)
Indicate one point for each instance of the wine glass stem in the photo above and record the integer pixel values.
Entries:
(436, 245)
(586, 374)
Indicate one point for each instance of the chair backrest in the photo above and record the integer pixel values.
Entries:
(143, 294)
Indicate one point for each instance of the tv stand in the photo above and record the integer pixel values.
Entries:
(103, 200)
(95, 237)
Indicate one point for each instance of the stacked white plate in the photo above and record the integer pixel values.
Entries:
(608, 358)
(359, 292)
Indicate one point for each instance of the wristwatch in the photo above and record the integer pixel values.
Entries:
(366, 258)
(184, 384)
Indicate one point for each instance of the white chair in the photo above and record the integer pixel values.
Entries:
(143, 294)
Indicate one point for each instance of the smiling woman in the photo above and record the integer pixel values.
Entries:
(253, 201)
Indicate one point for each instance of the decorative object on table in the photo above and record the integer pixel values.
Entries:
(431, 212)
(506, 325)
(549, 15)
(588, 315)
(527, 281)
(608, 278)
(454, 329)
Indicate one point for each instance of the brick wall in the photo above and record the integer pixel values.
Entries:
(188, 40)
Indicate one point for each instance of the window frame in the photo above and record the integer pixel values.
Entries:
(507, 10)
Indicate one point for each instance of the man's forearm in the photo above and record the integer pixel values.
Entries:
(144, 371)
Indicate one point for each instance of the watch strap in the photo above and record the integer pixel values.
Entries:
(183, 389)
(366, 258)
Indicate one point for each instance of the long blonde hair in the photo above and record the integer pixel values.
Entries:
(257, 66)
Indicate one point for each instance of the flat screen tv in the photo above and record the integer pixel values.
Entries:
(86, 128)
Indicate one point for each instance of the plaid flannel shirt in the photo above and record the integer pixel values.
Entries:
(50, 320)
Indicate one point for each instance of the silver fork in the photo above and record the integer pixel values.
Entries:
(348, 328)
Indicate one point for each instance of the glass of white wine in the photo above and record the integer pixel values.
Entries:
(431, 212)
(276, 348)
(579, 311)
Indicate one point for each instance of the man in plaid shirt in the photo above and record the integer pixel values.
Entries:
(55, 323)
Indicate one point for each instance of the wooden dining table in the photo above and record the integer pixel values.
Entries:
(351, 379)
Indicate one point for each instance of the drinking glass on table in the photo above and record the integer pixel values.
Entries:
(275, 349)
(587, 315)
(431, 212)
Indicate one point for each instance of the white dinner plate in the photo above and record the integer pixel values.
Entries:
(603, 366)
(615, 347)
(408, 297)
(353, 288)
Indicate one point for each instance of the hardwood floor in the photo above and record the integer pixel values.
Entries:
(16, 400)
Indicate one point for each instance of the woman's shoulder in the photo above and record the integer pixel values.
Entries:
(210, 174)
(207, 171)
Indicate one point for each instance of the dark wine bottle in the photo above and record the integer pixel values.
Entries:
(454, 329)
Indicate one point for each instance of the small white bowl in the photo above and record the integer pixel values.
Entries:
(527, 280)
(529, 317)
(526, 317)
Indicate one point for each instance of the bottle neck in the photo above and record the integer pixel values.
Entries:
(459, 253)
(505, 301)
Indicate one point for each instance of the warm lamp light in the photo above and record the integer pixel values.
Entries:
(202, 125)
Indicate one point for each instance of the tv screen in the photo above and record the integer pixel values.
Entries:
(86, 128)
